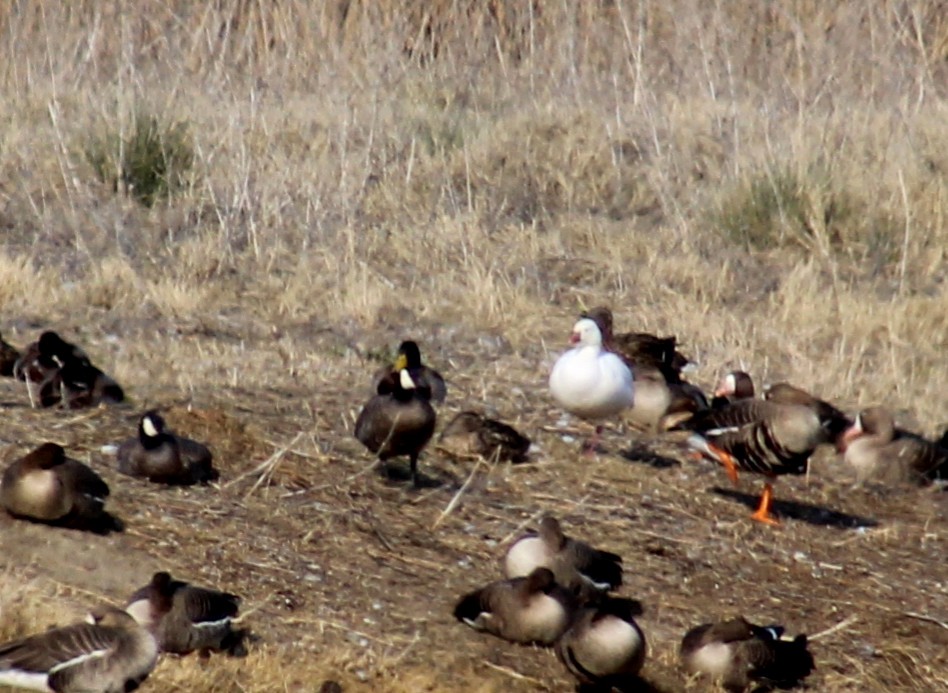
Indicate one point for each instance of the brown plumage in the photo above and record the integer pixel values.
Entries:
(396, 423)
(640, 349)
(772, 438)
(184, 618)
(879, 451)
(604, 647)
(659, 404)
(471, 433)
(575, 564)
(164, 457)
(737, 653)
(833, 421)
(8, 358)
(531, 609)
(46, 486)
(109, 654)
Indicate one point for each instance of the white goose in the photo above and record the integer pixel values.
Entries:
(588, 381)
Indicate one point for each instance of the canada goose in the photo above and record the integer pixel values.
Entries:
(588, 381)
(604, 646)
(470, 433)
(409, 357)
(531, 609)
(400, 422)
(575, 564)
(164, 457)
(110, 653)
(640, 349)
(8, 358)
(737, 652)
(184, 618)
(879, 451)
(46, 486)
(766, 437)
(57, 372)
(658, 404)
(733, 387)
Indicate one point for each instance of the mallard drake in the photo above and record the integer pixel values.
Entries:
(737, 653)
(8, 358)
(640, 349)
(772, 438)
(471, 433)
(409, 357)
(184, 618)
(164, 457)
(531, 609)
(46, 486)
(658, 404)
(575, 564)
(590, 382)
(733, 387)
(400, 422)
(879, 451)
(604, 647)
(110, 653)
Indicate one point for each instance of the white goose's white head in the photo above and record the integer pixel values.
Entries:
(586, 333)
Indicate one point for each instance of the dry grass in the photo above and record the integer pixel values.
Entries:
(768, 182)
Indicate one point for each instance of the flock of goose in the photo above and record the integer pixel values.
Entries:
(555, 589)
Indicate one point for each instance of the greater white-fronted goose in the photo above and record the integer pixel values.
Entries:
(409, 357)
(659, 405)
(640, 349)
(184, 618)
(733, 387)
(590, 382)
(738, 653)
(8, 358)
(57, 372)
(575, 564)
(879, 451)
(109, 654)
(471, 433)
(531, 609)
(604, 648)
(400, 422)
(769, 437)
(164, 457)
(46, 486)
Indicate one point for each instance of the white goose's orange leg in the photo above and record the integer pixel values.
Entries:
(762, 514)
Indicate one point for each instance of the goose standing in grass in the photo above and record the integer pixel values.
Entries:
(604, 648)
(588, 381)
(772, 438)
(879, 451)
(184, 618)
(164, 457)
(409, 357)
(46, 486)
(531, 609)
(109, 654)
(8, 358)
(738, 653)
(398, 422)
(575, 564)
(470, 433)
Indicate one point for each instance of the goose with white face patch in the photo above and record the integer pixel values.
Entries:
(164, 457)
(737, 653)
(604, 647)
(185, 618)
(575, 564)
(590, 382)
(531, 609)
(110, 653)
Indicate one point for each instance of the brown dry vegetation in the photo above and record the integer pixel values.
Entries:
(769, 181)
